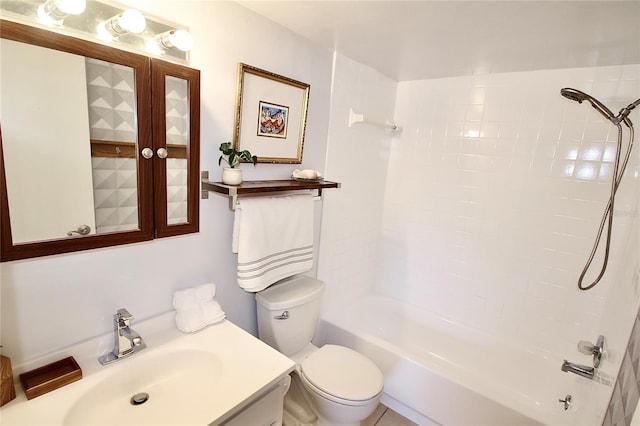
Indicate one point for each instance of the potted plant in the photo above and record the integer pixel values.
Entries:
(232, 175)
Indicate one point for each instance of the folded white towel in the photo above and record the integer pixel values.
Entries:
(275, 239)
(192, 296)
(205, 291)
(199, 316)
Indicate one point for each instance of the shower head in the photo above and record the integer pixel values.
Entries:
(578, 96)
(574, 94)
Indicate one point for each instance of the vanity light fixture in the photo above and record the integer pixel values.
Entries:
(129, 21)
(53, 12)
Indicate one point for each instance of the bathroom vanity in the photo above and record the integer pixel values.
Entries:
(220, 375)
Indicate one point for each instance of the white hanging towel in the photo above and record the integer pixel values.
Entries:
(274, 239)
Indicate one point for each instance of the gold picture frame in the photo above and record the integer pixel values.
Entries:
(271, 115)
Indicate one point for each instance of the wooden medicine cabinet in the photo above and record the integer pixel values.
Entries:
(98, 146)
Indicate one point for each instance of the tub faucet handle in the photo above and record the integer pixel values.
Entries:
(597, 350)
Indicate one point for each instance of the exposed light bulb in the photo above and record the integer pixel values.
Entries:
(132, 21)
(180, 39)
(53, 12)
(129, 21)
(71, 7)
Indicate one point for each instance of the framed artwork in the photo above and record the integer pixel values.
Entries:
(271, 115)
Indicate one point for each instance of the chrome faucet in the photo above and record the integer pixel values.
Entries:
(598, 352)
(580, 370)
(127, 341)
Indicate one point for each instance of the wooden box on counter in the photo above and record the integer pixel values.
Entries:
(50, 377)
(7, 387)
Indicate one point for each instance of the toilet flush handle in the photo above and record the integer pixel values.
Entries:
(282, 316)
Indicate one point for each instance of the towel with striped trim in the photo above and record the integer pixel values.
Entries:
(274, 239)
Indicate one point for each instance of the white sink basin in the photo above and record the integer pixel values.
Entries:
(177, 383)
(197, 378)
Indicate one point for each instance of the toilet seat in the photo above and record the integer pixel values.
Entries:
(342, 375)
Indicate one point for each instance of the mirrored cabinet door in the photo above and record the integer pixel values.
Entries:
(176, 127)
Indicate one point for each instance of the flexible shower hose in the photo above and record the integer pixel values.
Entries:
(618, 171)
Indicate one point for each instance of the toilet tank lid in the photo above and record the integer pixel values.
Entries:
(290, 293)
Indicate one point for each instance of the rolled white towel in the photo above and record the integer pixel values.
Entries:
(183, 299)
(211, 312)
(306, 174)
(205, 292)
(199, 316)
(192, 296)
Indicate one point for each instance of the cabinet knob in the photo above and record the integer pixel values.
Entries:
(162, 153)
(147, 153)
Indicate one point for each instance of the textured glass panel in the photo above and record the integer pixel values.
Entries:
(177, 136)
(112, 118)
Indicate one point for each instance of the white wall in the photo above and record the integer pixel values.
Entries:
(52, 302)
(494, 193)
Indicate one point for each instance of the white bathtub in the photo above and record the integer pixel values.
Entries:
(439, 372)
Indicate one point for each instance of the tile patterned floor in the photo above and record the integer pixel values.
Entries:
(384, 416)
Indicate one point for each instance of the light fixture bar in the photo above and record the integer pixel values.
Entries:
(126, 27)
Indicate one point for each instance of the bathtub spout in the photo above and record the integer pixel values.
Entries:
(580, 370)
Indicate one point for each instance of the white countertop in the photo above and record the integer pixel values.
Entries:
(249, 367)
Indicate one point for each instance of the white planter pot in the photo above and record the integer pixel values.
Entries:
(231, 176)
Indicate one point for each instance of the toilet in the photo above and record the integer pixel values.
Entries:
(341, 386)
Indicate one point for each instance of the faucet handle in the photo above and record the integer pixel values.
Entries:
(597, 350)
(122, 315)
(585, 347)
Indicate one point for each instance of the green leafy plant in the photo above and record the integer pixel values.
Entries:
(233, 157)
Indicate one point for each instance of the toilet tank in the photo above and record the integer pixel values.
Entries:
(300, 298)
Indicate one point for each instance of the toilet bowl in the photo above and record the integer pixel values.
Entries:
(340, 385)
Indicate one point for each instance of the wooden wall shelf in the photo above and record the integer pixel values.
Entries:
(261, 187)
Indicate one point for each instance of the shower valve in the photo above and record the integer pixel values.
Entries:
(597, 350)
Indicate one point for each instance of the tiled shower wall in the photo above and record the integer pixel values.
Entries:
(111, 97)
(357, 156)
(494, 193)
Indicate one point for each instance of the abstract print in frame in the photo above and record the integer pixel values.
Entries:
(272, 121)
